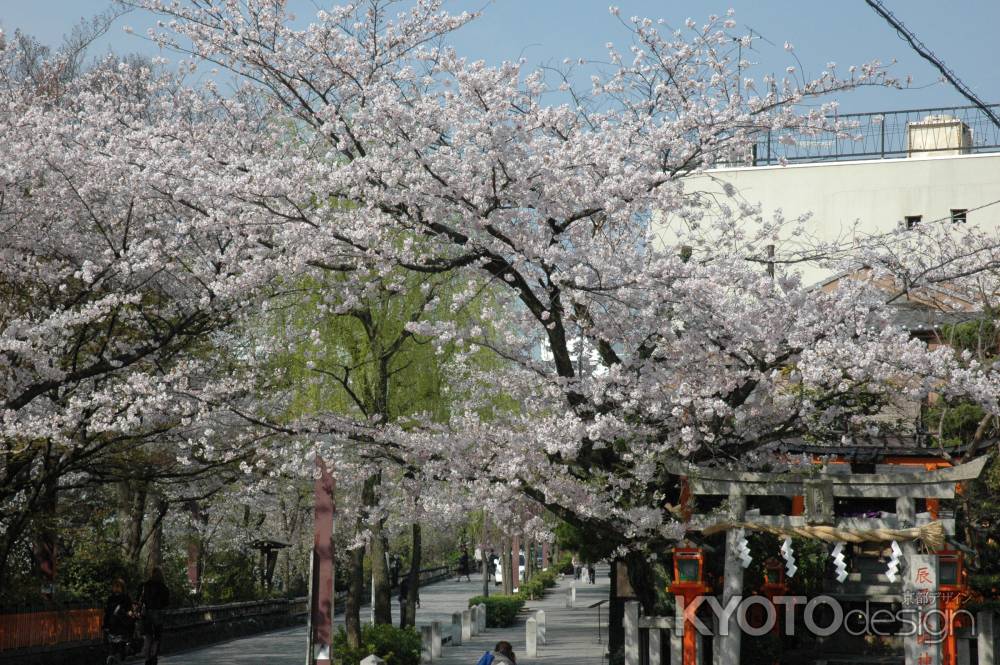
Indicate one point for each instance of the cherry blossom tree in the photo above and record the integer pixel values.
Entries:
(364, 140)
(109, 301)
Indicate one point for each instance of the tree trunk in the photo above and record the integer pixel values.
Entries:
(131, 512)
(643, 580)
(356, 575)
(414, 580)
(380, 577)
(486, 570)
(616, 613)
(379, 547)
(195, 560)
(355, 592)
(505, 566)
(154, 540)
(46, 540)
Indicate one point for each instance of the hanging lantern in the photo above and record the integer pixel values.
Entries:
(688, 566)
(774, 573)
(951, 571)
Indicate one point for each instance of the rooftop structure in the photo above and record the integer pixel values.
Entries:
(954, 130)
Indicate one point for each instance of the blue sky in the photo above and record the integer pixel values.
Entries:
(962, 32)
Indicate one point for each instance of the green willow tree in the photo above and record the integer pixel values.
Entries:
(363, 361)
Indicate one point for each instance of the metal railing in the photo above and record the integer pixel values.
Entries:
(883, 135)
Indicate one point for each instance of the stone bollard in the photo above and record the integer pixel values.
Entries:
(986, 629)
(631, 625)
(569, 598)
(655, 645)
(572, 592)
(425, 644)
(467, 626)
(540, 618)
(474, 619)
(531, 637)
(963, 651)
(456, 628)
(482, 617)
(372, 660)
(435, 639)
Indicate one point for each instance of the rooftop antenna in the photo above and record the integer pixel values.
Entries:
(928, 55)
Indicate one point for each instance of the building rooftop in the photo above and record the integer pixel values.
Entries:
(953, 130)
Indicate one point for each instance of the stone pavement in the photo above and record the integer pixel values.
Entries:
(572, 633)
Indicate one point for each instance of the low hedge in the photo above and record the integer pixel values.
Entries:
(536, 586)
(397, 646)
(501, 610)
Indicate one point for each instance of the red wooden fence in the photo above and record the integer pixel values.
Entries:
(33, 629)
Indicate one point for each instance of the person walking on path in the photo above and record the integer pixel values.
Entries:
(118, 625)
(404, 593)
(394, 568)
(494, 563)
(154, 597)
(463, 566)
(592, 573)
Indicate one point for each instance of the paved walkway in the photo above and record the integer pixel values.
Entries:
(572, 633)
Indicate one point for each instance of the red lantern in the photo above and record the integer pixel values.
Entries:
(953, 588)
(689, 583)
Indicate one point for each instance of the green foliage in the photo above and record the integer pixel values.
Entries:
(88, 573)
(586, 545)
(501, 610)
(364, 361)
(978, 336)
(229, 577)
(811, 558)
(987, 584)
(534, 588)
(761, 650)
(957, 423)
(397, 646)
(980, 513)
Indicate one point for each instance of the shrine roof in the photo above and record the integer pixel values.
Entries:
(875, 449)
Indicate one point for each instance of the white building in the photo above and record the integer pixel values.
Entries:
(933, 165)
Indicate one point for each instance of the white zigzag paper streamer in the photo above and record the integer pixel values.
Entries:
(743, 552)
(892, 569)
(839, 563)
(789, 557)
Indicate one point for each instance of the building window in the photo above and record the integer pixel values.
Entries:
(912, 220)
(958, 215)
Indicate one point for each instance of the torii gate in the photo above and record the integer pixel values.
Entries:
(819, 491)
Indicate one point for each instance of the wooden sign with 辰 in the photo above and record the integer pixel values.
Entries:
(819, 501)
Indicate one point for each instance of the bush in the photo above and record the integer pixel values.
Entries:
(531, 589)
(536, 586)
(397, 646)
(501, 611)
